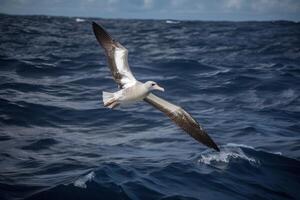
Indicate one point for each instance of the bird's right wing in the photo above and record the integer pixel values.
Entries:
(183, 119)
(116, 57)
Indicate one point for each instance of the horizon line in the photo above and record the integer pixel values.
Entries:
(158, 19)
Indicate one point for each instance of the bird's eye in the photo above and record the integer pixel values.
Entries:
(152, 84)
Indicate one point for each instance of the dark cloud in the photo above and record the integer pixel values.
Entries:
(174, 9)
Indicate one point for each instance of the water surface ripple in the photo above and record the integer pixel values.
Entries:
(240, 80)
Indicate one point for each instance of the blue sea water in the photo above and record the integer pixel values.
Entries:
(240, 80)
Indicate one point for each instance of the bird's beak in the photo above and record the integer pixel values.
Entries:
(157, 87)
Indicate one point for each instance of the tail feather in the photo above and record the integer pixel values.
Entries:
(109, 99)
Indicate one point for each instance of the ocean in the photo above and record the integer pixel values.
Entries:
(240, 80)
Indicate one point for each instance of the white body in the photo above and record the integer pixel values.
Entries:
(137, 92)
(128, 95)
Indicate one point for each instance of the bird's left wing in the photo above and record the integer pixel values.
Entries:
(183, 119)
(116, 56)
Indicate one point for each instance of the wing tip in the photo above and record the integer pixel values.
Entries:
(95, 23)
(101, 34)
(96, 27)
(211, 143)
(215, 147)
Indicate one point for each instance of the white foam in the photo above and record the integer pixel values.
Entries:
(277, 153)
(81, 181)
(79, 20)
(172, 22)
(229, 152)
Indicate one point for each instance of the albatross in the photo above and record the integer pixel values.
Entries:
(132, 90)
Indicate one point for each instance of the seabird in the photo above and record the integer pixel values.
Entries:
(132, 90)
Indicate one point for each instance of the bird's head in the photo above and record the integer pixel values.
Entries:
(151, 85)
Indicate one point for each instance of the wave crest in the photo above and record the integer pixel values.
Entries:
(81, 181)
(230, 152)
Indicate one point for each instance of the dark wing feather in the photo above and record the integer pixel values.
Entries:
(117, 57)
(183, 119)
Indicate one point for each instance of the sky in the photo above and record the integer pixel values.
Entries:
(224, 10)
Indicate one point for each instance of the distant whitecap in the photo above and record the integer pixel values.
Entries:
(79, 20)
(172, 22)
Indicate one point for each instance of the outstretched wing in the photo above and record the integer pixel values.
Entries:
(183, 119)
(116, 56)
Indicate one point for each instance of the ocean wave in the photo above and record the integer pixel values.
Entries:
(81, 181)
(239, 145)
(40, 144)
(229, 153)
(59, 142)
